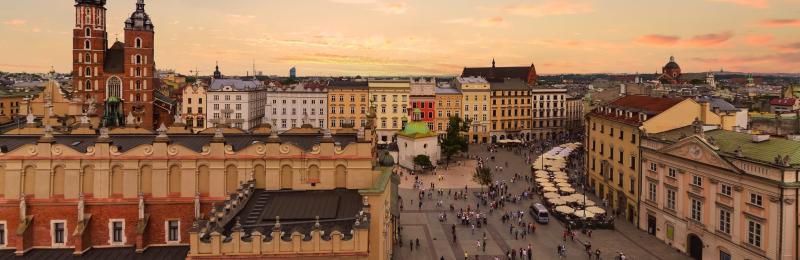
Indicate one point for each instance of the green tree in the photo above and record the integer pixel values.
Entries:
(483, 176)
(423, 161)
(454, 142)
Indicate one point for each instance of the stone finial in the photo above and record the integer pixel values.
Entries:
(130, 120)
(358, 220)
(30, 118)
(162, 131)
(316, 223)
(81, 207)
(218, 136)
(141, 205)
(277, 223)
(104, 137)
(84, 119)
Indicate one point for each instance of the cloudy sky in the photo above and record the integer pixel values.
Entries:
(403, 37)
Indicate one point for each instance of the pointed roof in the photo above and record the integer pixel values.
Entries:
(139, 20)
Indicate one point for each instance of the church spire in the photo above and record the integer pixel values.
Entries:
(493, 63)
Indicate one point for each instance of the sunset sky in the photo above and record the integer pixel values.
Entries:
(425, 37)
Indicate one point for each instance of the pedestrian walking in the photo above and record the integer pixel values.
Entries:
(411, 244)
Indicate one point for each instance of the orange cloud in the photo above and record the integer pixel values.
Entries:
(759, 40)
(789, 47)
(661, 40)
(393, 8)
(495, 21)
(551, 7)
(15, 22)
(780, 23)
(760, 4)
(711, 39)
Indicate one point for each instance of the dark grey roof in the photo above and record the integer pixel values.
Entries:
(721, 104)
(115, 59)
(510, 84)
(236, 85)
(116, 253)
(298, 211)
(194, 142)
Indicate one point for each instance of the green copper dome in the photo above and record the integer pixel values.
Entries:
(113, 100)
(417, 129)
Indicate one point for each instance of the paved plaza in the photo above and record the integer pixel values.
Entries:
(435, 237)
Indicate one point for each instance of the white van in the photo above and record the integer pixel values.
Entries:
(539, 213)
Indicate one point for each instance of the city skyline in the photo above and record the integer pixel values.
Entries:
(373, 37)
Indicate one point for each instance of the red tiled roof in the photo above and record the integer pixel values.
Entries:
(647, 104)
(782, 102)
(651, 106)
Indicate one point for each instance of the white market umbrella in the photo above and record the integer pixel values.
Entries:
(549, 189)
(563, 184)
(583, 214)
(546, 184)
(587, 202)
(556, 201)
(568, 199)
(542, 180)
(566, 189)
(596, 210)
(565, 209)
(551, 195)
(579, 197)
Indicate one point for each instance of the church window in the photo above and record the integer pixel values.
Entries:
(88, 85)
(87, 58)
(87, 44)
(138, 43)
(138, 85)
(88, 72)
(88, 32)
(138, 59)
(138, 72)
(114, 87)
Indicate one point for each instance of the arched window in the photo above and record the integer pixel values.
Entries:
(87, 58)
(138, 72)
(88, 72)
(114, 87)
(88, 85)
(138, 85)
(138, 60)
(138, 43)
(87, 45)
(88, 32)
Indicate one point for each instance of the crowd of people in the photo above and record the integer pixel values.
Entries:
(472, 209)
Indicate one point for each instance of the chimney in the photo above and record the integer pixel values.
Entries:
(760, 138)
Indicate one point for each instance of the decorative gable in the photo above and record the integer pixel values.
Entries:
(696, 149)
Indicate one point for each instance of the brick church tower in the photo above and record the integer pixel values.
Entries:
(124, 74)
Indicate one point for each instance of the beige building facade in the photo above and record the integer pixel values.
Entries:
(718, 194)
(193, 107)
(391, 99)
(549, 113)
(476, 95)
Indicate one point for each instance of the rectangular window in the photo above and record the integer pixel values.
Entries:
(671, 199)
(725, 221)
(173, 234)
(697, 210)
(651, 194)
(2, 234)
(754, 233)
(697, 181)
(756, 199)
(724, 255)
(621, 134)
(59, 232)
(117, 229)
(672, 173)
(633, 162)
(632, 187)
(653, 167)
(725, 189)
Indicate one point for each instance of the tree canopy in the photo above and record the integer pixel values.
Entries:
(482, 176)
(454, 142)
(423, 161)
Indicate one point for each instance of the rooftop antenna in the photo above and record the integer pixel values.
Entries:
(254, 69)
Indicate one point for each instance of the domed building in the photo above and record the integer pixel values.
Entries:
(671, 72)
(417, 139)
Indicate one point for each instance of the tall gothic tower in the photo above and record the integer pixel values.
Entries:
(89, 47)
(140, 69)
